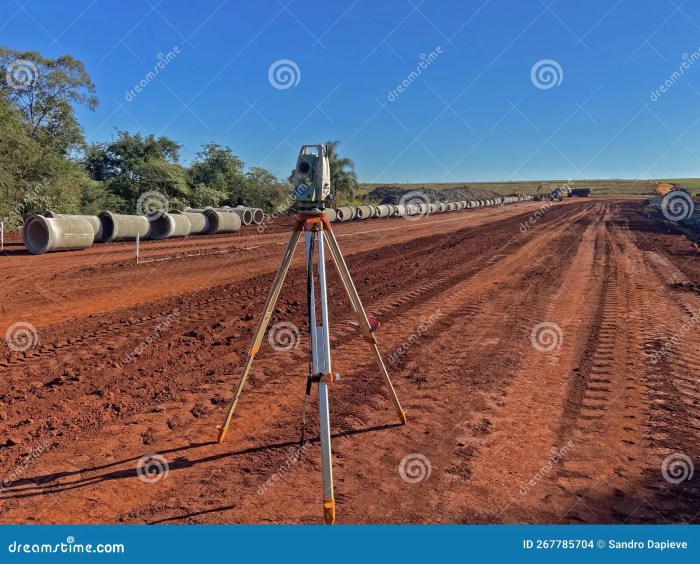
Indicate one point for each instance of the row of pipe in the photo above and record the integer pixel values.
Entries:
(64, 232)
(369, 211)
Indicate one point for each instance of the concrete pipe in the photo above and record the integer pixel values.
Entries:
(66, 233)
(384, 210)
(221, 222)
(432, 208)
(256, 215)
(198, 221)
(366, 212)
(246, 214)
(423, 209)
(400, 210)
(166, 225)
(345, 213)
(93, 219)
(449, 206)
(330, 214)
(441, 207)
(120, 227)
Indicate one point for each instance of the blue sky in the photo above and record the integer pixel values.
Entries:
(474, 112)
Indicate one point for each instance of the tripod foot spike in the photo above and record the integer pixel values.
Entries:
(329, 511)
(222, 434)
(402, 416)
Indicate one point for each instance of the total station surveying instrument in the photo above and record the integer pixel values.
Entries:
(312, 186)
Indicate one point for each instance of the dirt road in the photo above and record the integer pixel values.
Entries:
(549, 365)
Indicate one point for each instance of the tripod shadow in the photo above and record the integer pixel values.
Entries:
(54, 483)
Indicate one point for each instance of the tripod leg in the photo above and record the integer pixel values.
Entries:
(260, 329)
(367, 334)
(324, 367)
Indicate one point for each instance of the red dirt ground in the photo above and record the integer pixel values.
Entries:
(511, 433)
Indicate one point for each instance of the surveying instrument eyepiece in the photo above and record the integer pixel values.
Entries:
(312, 186)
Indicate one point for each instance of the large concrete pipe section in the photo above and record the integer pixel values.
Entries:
(441, 207)
(449, 206)
(166, 225)
(345, 213)
(199, 224)
(246, 214)
(66, 233)
(93, 219)
(257, 215)
(330, 214)
(221, 221)
(120, 227)
(366, 212)
(384, 210)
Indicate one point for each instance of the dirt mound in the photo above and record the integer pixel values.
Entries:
(393, 194)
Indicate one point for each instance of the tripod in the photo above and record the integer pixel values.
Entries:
(317, 230)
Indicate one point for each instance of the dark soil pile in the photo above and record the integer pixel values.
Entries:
(393, 194)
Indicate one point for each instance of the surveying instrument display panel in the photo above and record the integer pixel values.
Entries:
(312, 187)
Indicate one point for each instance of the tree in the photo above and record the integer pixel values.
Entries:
(132, 165)
(343, 176)
(264, 190)
(46, 91)
(218, 168)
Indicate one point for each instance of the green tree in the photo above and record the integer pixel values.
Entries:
(132, 165)
(219, 169)
(343, 176)
(46, 92)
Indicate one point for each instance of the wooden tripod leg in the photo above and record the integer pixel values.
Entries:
(262, 326)
(367, 334)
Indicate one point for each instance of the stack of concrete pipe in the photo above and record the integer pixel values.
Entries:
(62, 232)
(370, 211)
